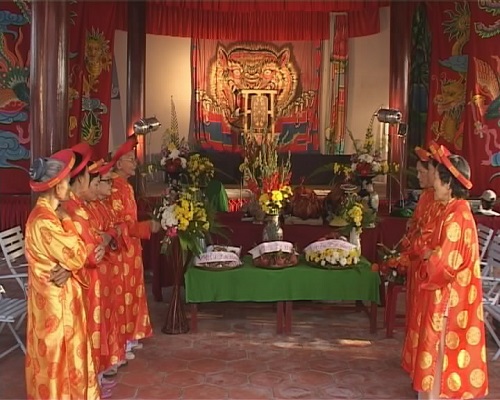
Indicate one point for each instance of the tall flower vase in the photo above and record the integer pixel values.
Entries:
(355, 238)
(272, 229)
(176, 321)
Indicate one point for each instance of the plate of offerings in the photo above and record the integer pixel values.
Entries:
(333, 254)
(217, 261)
(274, 255)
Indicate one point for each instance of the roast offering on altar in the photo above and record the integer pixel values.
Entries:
(332, 254)
(274, 255)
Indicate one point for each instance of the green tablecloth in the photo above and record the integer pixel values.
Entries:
(302, 282)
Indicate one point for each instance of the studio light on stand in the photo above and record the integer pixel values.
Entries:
(392, 116)
(141, 128)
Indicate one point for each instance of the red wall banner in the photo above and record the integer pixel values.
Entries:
(91, 39)
(482, 113)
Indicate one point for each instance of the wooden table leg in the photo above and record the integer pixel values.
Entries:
(280, 314)
(194, 318)
(288, 317)
(373, 317)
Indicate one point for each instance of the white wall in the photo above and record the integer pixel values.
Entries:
(168, 73)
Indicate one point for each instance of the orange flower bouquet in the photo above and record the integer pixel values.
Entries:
(390, 266)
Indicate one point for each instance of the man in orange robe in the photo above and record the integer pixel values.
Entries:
(124, 206)
(58, 353)
(451, 351)
(113, 303)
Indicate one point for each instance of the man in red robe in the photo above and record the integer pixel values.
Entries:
(122, 202)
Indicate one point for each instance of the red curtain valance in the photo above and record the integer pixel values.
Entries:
(257, 20)
(233, 6)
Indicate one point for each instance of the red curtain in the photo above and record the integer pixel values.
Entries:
(14, 92)
(481, 145)
(91, 39)
(221, 69)
(258, 21)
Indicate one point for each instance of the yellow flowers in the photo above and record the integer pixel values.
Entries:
(355, 213)
(200, 170)
(190, 214)
(333, 257)
(272, 202)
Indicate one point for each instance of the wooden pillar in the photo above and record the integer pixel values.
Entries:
(48, 78)
(399, 74)
(136, 68)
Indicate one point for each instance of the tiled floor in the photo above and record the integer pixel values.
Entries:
(237, 355)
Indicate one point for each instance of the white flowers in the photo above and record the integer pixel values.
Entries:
(367, 158)
(168, 218)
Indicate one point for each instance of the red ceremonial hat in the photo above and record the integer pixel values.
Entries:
(85, 151)
(105, 168)
(422, 154)
(94, 167)
(441, 154)
(125, 148)
(38, 169)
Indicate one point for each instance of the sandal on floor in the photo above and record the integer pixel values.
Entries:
(129, 355)
(110, 372)
(106, 393)
(108, 383)
(122, 363)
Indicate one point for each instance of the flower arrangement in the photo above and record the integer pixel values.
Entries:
(390, 267)
(174, 150)
(341, 172)
(264, 174)
(368, 160)
(355, 215)
(200, 170)
(272, 202)
(184, 215)
(333, 257)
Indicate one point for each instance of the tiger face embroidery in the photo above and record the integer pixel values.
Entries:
(252, 66)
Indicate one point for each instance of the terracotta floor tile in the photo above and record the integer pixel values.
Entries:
(189, 354)
(145, 377)
(339, 392)
(204, 392)
(170, 364)
(227, 378)
(249, 392)
(327, 365)
(228, 354)
(294, 390)
(207, 365)
(122, 391)
(269, 378)
(312, 378)
(159, 392)
(184, 378)
(247, 366)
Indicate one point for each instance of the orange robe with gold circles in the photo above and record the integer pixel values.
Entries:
(124, 206)
(58, 352)
(422, 223)
(111, 285)
(451, 278)
(98, 325)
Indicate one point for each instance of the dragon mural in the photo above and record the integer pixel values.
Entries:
(451, 97)
(14, 89)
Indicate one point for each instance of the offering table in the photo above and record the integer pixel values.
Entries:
(283, 286)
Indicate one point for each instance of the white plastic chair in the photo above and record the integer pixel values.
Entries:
(12, 246)
(12, 314)
(484, 235)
